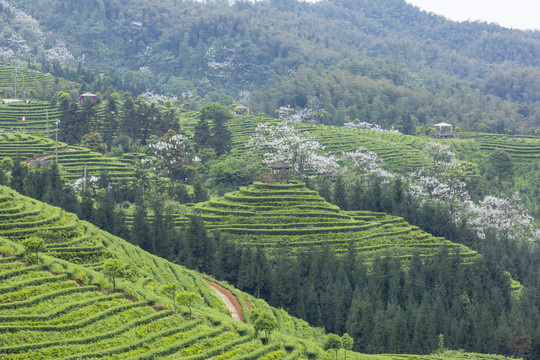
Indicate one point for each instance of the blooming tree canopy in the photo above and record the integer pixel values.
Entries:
(282, 142)
(438, 151)
(174, 150)
(504, 216)
(447, 185)
(364, 163)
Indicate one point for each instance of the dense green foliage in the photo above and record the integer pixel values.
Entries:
(63, 310)
(59, 304)
(373, 61)
(363, 254)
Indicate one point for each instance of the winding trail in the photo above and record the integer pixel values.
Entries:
(229, 299)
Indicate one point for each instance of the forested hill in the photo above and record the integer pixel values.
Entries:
(321, 57)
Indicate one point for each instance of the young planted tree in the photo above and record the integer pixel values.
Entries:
(171, 290)
(263, 322)
(187, 298)
(34, 244)
(333, 342)
(114, 269)
(347, 343)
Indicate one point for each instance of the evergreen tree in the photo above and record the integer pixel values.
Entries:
(110, 127)
(340, 195)
(399, 334)
(408, 125)
(220, 139)
(119, 226)
(424, 335)
(200, 194)
(202, 134)
(129, 125)
(140, 234)
(502, 165)
(197, 246)
(105, 214)
(86, 209)
(18, 175)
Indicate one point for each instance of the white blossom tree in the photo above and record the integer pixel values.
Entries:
(448, 185)
(365, 164)
(505, 217)
(59, 53)
(175, 151)
(438, 151)
(282, 142)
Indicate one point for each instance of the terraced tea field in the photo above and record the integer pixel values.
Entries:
(71, 158)
(36, 84)
(63, 308)
(40, 117)
(262, 214)
(25, 146)
(400, 153)
(520, 149)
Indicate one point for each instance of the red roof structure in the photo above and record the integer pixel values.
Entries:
(87, 95)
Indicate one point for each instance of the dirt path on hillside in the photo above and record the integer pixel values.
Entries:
(229, 299)
(46, 156)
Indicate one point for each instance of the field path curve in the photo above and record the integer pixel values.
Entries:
(229, 299)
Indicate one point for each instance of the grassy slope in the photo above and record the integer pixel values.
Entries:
(61, 308)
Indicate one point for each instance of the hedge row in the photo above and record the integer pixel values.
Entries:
(140, 343)
(59, 310)
(88, 339)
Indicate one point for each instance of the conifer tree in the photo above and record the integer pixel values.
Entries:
(129, 125)
(340, 195)
(110, 127)
(197, 246)
(18, 175)
(140, 234)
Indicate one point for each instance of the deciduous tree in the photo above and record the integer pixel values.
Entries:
(187, 298)
(114, 269)
(34, 244)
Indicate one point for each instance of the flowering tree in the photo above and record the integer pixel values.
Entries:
(438, 151)
(364, 164)
(504, 216)
(448, 185)
(58, 53)
(79, 184)
(282, 142)
(176, 153)
(368, 126)
(312, 112)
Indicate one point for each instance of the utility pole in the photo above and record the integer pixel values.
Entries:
(84, 183)
(56, 136)
(23, 88)
(47, 113)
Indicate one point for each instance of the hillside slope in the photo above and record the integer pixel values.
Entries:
(64, 307)
(264, 214)
(356, 59)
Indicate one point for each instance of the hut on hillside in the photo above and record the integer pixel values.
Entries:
(241, 110)
(280, 168)
(86, 96)
(444, 130)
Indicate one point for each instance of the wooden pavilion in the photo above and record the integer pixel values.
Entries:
(282, 167)
(87, 96)
(444, 130)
